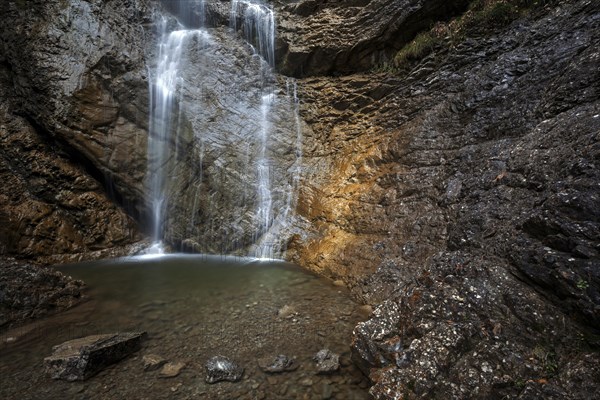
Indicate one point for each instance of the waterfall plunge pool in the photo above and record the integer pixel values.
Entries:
(193, 308)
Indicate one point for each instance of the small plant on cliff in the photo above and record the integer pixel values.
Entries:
(481, 17)
(583, 284)
(420, 46)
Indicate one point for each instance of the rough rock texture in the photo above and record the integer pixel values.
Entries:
(79, 359)
(461, 194)
(51, 209)
(77, 69)
(465, 328)
(320, 37)
(227, 103)
(327, 361)
(72, 114)
(30, 291)
(483, 158)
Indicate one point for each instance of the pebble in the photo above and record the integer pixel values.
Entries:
(171, 370)
(152, 362)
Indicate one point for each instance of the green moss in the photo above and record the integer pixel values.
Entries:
(481, 17)
(418, 48)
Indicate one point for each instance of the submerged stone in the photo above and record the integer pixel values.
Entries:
(221, 368)
(79, 359)
(152, 362)
(171, 370)
(327, 361)
(280, 363)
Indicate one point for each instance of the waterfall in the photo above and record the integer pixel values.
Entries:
(258, 24)
(242, 192)
(162, 130)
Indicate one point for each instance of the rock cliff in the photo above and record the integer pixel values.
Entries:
(459, 190)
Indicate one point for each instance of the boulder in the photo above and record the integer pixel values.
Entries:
(79, 359)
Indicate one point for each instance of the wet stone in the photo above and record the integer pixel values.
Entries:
(152, 362)
(221, 368)
(280, 363)
(327, 361)
(171, 370)
(286, 311)
(79, 359)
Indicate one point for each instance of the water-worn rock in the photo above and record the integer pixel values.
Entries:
(327, 361)
(171, 369)
(79, 359)
(81, 75)
(279, 363)
(152, 362)
(220, 368)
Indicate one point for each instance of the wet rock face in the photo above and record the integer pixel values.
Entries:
(82, 74)
(479, 159)
(466, 328)
(319, 37)
(52, 210)
(78, 70)
(226, 104)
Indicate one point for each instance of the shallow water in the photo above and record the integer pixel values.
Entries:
(193, 308)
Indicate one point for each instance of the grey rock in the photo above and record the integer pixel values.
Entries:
(220, 368)
(279, 363)
(327, 361)
(79, 359)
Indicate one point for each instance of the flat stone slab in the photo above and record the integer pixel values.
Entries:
(79, 359)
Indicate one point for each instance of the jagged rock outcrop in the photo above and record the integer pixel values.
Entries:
(319, 37)
(30, 291)
(74, 118)
(51, 209)
(480, 158)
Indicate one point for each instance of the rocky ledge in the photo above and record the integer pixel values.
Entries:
(30, 291)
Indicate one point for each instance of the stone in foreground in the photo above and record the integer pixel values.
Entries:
(221, 368)
(327, 361)
(171, 370)
(152, 362)
(280, 363)
(79, 359)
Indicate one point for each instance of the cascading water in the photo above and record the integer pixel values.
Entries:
(163, 96)
(258, 24)
(222, 102)
(258, 27)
